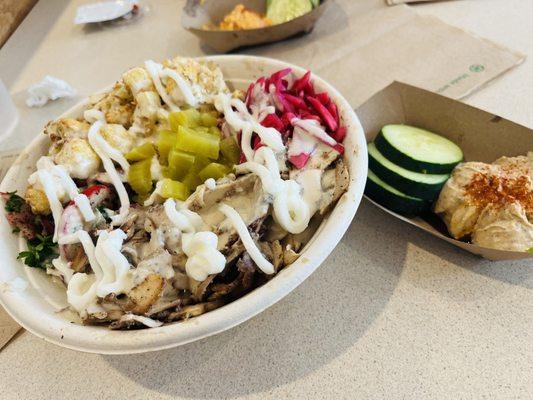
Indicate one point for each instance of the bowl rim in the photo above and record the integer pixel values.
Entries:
(101, 340)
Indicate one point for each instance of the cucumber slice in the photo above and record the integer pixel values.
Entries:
(418, 150)
(392, 198)
(424, 186)
(280, 11)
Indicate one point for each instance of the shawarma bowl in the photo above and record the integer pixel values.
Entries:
(185, 199)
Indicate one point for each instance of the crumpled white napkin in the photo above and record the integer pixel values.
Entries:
(49, 88)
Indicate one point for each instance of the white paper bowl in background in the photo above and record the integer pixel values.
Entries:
(37, 306)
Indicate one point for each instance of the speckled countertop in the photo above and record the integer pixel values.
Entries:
(392, 314)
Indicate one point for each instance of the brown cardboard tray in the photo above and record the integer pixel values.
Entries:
(199, 13)
(483, 136)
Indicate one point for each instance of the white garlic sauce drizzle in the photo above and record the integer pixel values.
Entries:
(92, 115)
(116, 277)
(242, 120)
(210, 184)
(58, 186)
(290, 209)
(111, 269)
(203, 257)
(157, 72)
(314, 129)
(184, 87)
(149, 322)
(81, 287)
(108, 154)
(200, 246)
(63, 267)
(233, 216)
(154, 70)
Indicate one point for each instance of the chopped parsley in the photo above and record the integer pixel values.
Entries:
(14, 203)
(40, 253)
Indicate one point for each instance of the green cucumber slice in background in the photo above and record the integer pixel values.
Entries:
(280, 11)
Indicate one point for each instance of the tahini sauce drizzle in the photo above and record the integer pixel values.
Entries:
(58, 186)
(199, 246)
(108, 154)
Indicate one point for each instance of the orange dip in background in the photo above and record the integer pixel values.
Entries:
(242, 18)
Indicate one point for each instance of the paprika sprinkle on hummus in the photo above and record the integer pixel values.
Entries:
(498, 191)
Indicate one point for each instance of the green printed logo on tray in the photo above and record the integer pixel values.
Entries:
(474, 68)
(477, 68)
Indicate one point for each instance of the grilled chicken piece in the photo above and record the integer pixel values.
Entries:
(146, 112)
(322, 157)
(246, 270)
(148, 103)
(118, 137)
(289, 256)
(37, 200)
(161, 307)
(205, 79)
(334, 182)
(70, 147)
(146, 294)
(117, 105)
(78, 158)
(77, 258)
(199, 289)
(220, 290)
(138, 80)
(233, 251)
(194, 310)
(274, 252)
(64, 129)
(107, 317)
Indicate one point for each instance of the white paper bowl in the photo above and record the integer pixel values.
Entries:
(36, 307)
